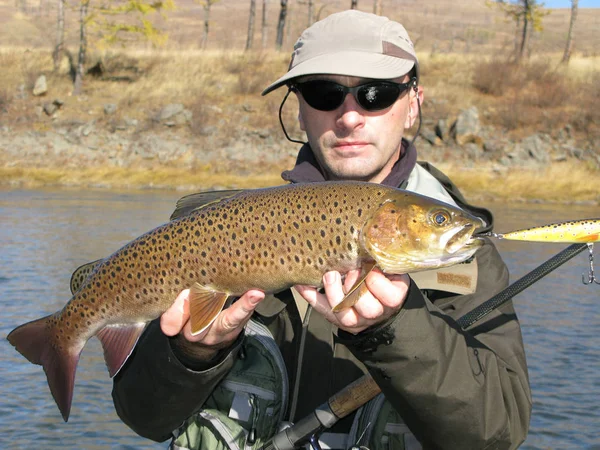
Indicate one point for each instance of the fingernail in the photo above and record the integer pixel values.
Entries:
(254, 300)
(330, 277)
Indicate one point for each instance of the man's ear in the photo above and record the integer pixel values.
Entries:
(301, 120)
(413, 106)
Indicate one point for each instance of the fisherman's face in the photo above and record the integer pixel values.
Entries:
(351, 143)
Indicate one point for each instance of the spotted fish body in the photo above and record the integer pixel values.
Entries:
(573, 231)
(268, 239)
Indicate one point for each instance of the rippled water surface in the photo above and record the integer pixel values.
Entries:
(45, 235)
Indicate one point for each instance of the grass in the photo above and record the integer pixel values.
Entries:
(134, 178)
(561, 183)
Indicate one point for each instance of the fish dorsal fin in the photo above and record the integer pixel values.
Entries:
(81, 274)
(193, 202)
(358, 289)
(118, 342)
(205, 306)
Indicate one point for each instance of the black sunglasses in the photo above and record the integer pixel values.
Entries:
(326, 95)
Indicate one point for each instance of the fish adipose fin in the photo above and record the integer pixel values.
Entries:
(205, 306)
(118, 342)
(37, 342)
(357, 291)
(81, 274)
(193, 202)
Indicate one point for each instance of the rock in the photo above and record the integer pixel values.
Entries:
(87, 128)
(169, 111)
(41, 87)
(536, 148)
(208, 130)
(50, 108)
(174, 114)
(472, 151)
(430, 137)
(441, 129)
(110, 109)
(467, 126)
(21, 93)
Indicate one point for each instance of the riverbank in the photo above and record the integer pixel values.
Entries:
(560, 182)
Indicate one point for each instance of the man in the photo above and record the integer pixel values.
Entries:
(356, 79)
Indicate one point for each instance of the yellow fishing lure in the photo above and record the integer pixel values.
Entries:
(574, 231)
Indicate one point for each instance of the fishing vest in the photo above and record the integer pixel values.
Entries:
(247, 407)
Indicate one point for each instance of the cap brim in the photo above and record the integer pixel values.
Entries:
(350, 63)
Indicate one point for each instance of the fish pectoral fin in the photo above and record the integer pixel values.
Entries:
(193, 202)
(81, 273)
(118, 342)
(205, 306)
(358, 289)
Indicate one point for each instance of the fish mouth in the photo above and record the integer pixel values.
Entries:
(463, 239)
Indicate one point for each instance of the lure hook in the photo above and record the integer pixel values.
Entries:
(591, 278)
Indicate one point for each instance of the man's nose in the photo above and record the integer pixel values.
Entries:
(350, 113)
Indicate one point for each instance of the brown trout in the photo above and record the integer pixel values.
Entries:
(221, 245)
(574, 231)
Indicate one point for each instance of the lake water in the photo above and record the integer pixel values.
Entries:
(46, 234)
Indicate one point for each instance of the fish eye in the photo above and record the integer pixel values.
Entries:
(440, 217)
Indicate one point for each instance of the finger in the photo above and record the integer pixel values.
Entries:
(389, 290)
(238, 314)
(368, 307)
(350, 279)
(173, 319)
(229, 323)
(334, 290)
(317, 300)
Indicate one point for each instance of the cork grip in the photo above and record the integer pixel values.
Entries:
(354, 396)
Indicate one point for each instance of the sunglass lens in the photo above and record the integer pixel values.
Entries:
(376, 96)
(322, 94)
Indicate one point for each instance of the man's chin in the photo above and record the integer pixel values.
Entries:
(351, 173)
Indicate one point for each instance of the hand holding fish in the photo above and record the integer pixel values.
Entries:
(220, 334)
(383, 296)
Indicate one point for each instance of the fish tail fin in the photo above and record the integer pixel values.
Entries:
(37, 342)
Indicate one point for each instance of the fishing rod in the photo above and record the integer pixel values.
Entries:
(356, 394)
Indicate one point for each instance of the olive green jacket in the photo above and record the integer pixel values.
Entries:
(454, 389)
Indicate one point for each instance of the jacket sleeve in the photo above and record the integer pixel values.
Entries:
(154, 393)
(455, 389)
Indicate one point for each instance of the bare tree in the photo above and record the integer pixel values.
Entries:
(83, 14)
(525, 30)
(60, 36)
(281, 24)
(571, 36)
(353, 4)
(264, 25)
(206, 4)
(378, 7)
(527, 15)
(311, 13)
(251, 17)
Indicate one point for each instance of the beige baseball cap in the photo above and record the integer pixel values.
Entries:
(352, 43)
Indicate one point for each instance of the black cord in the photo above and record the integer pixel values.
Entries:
(281, 120)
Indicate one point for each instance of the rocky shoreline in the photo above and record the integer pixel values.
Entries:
(173, 138)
